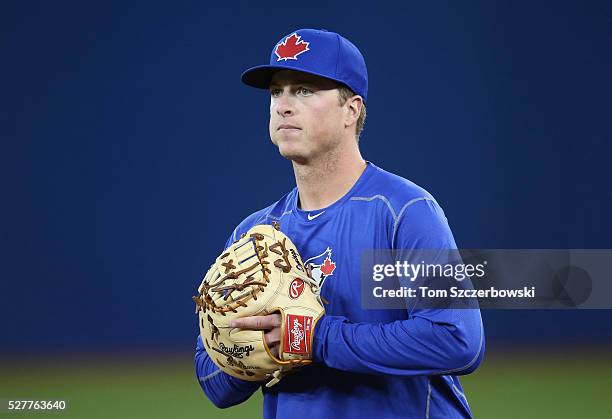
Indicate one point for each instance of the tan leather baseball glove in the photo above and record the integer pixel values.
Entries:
(259, 274)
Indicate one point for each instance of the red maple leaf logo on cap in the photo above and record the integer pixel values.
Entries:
(291, 48)
(328, 267)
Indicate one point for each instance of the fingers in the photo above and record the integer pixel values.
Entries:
(270, 323)
(272, 337)
(274, 350)
(257, 322)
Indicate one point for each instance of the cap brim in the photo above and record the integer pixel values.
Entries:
(261, 75)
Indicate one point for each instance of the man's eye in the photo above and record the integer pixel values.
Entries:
(304, 91)
(275, 92)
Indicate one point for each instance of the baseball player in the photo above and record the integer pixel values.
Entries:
(366, 363)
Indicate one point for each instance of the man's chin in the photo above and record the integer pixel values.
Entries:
(296, 158)
(293, 155)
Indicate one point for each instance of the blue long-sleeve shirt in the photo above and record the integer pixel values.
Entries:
(383, 363)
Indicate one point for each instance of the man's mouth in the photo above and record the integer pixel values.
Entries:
(287, 127)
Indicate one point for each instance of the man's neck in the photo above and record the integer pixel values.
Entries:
(323, 182)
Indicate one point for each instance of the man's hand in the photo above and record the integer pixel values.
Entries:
(270, 324)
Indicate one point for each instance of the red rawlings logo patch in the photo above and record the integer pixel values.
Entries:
(295, 288)
(298, 330)
(291, 47)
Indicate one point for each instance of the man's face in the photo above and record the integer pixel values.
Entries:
(306, 119)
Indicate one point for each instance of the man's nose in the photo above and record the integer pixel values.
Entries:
(284, 105)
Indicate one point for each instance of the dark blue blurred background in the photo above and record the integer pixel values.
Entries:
(125, 130)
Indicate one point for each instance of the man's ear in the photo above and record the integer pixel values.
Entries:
(354, 106)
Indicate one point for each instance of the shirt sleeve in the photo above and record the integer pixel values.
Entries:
(429, 341)
(222, 389)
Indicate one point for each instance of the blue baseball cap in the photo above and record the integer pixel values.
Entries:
(317, 52)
